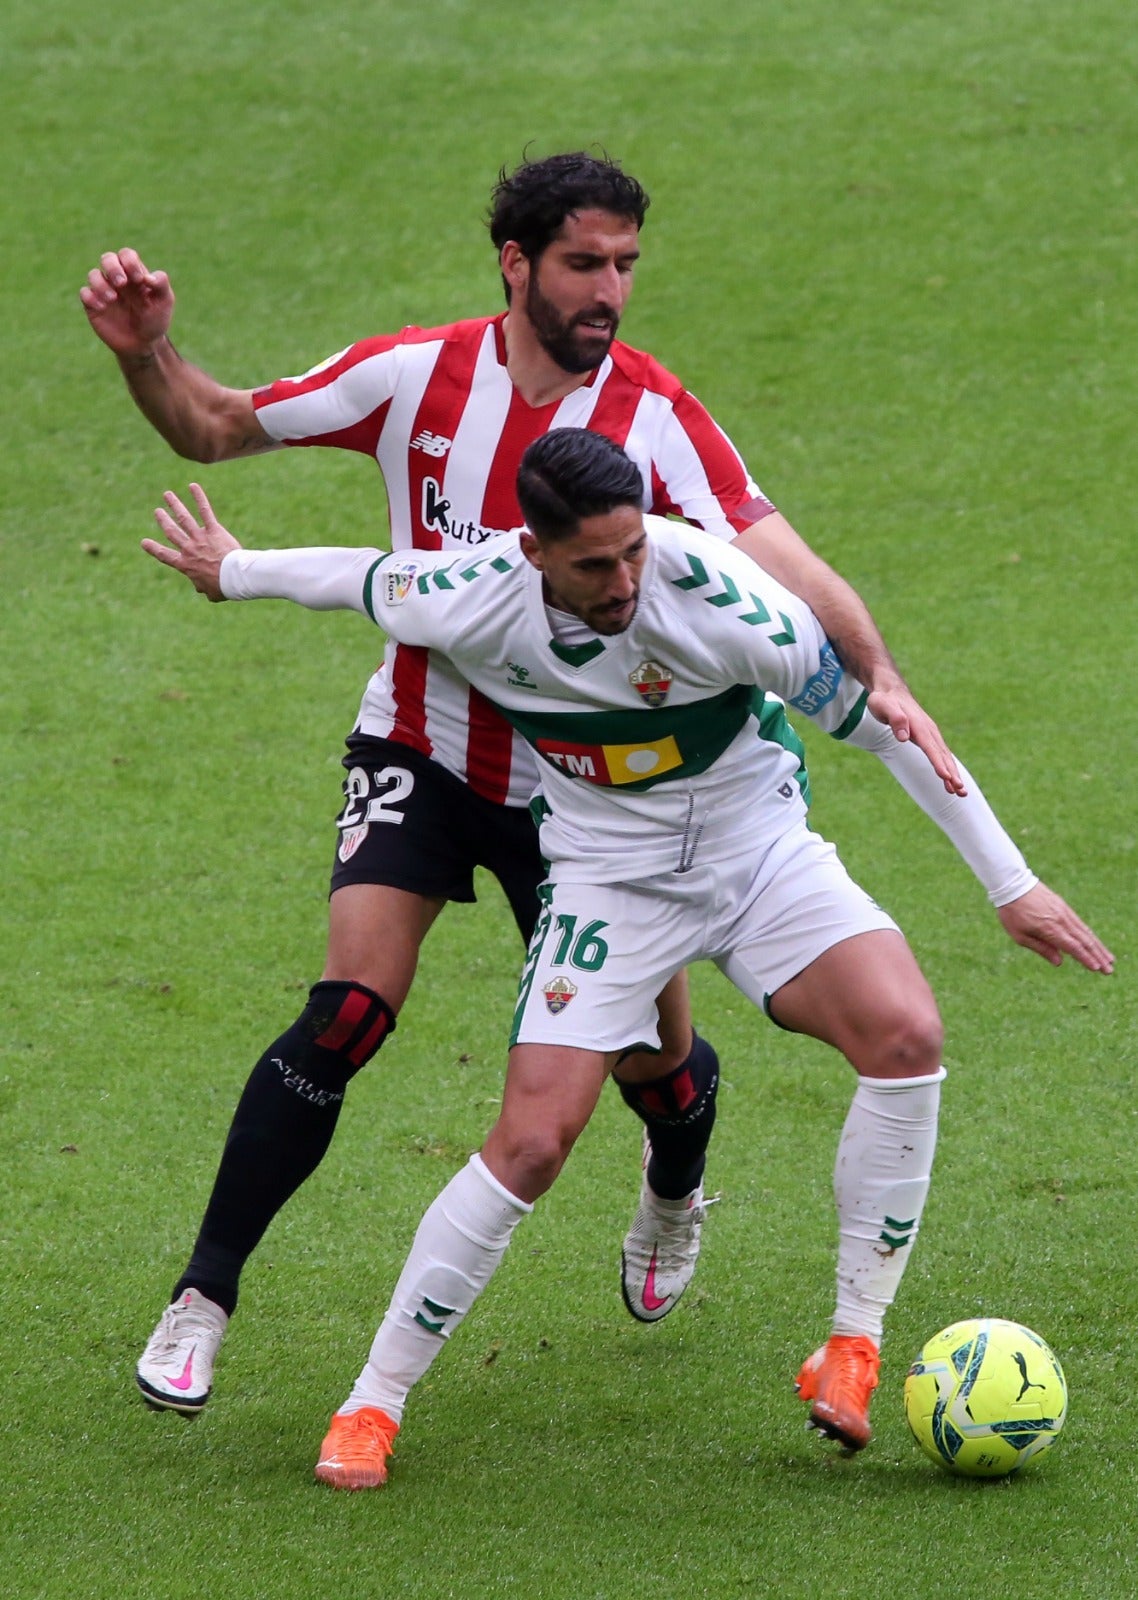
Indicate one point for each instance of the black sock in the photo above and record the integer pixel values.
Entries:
(678, 1110)
(282, 1128)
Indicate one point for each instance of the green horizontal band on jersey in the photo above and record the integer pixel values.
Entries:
(702, 730)
(850, 723)
(719, 718)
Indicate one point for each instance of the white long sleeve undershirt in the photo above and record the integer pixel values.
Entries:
(321, 578)
(968, 821)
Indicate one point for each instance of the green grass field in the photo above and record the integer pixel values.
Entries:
(894, 250)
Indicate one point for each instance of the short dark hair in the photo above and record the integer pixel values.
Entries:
(570, 473)
(530, 204)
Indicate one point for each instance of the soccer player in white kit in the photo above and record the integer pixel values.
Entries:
(647, 664)
(437, 782)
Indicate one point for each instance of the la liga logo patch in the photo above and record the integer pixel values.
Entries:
(398, 583)
(558, 993)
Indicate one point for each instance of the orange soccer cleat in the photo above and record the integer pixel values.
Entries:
(355, 1451)
(837, 1382)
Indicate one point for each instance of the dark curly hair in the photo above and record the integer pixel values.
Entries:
(530, 204)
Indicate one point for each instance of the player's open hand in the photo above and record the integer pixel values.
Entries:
(198, 547)
(910, 721)
(127, 305)
(1042, 921)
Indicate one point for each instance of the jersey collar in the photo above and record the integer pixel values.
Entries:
(577, 655)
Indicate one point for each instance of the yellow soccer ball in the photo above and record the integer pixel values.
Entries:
(985, 1398)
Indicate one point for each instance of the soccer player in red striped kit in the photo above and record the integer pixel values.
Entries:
(436, 781)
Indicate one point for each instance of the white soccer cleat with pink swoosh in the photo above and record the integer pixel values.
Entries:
(660, 1252)
(175, 1372)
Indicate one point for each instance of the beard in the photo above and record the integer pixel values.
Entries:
(566, 340)
(608, 620)
(609, 623)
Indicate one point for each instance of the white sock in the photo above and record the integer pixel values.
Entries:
(458, 1245)
(881, 1178)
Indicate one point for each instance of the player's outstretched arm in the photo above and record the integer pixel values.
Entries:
(1042, 921)
(319, 578)
(773, 543)
(196, 549)
(130, 308)
(899, 709)
(1033, 915)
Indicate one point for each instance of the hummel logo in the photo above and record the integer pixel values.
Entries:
(431, 444)
(519, 676)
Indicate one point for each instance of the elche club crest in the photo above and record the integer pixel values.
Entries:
(558, 993)
(651, 682)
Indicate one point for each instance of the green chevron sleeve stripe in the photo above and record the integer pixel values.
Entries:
(730, 595)
(789, 636)
(698, 574)
(759, 615)
(699, 578)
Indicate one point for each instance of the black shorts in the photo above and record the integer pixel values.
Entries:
(410, 824)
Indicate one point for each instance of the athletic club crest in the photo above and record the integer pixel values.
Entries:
(350, 841)
(558, 993)
(651, 682)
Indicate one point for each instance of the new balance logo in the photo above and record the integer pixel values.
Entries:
(431, 444)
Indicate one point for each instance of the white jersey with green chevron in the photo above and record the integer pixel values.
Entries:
(659, 745)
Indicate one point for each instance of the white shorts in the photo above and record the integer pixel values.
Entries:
(601, 953)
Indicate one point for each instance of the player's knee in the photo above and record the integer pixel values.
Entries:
(910, 1044)
(532, 1156)
(347, 1020)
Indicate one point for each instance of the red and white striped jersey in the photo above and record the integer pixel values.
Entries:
(437, 410)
